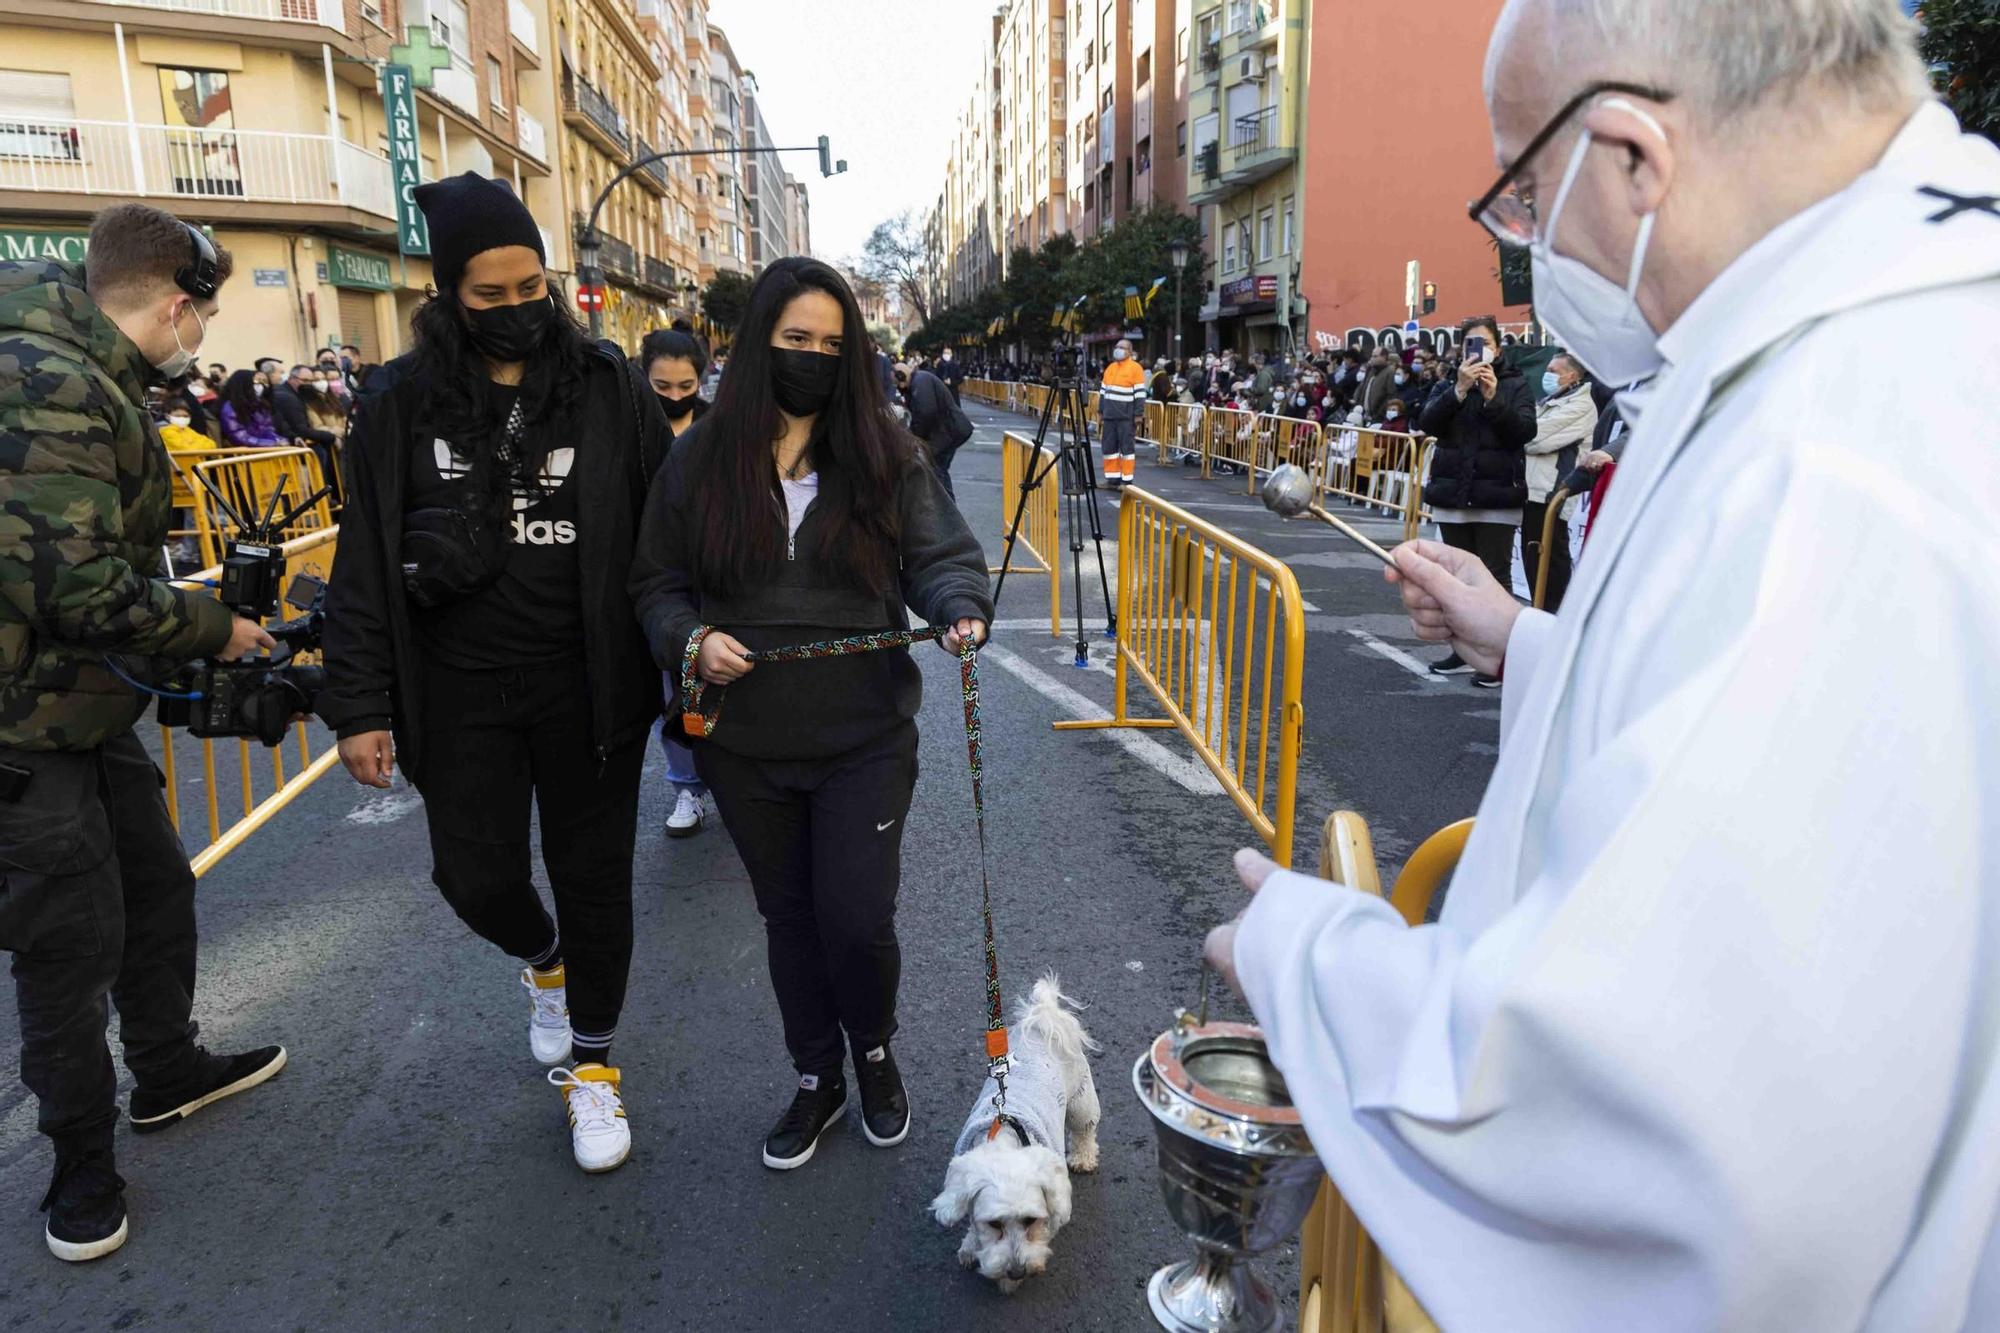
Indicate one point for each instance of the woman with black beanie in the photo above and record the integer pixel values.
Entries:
(478, 616)
(799, 512)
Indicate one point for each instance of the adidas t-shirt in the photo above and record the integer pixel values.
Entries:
(532, 615)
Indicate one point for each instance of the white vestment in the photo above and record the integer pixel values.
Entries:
(1706, 1036)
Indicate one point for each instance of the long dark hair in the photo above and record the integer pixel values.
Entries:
(858, 449)
(459, 397)
(239, 392)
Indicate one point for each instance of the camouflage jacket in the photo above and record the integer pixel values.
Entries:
(86, 498)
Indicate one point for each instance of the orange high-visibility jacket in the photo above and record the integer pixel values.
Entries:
(1124, 391)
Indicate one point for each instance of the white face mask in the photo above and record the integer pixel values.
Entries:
(179, 420)
(1118, 354)
(1588, 313)
(182, 359)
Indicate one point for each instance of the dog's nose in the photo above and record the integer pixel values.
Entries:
(1017, 1271)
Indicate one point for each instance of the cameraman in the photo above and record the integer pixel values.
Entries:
(97, 898)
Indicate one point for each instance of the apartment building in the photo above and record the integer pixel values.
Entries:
(1160, 40)
(264, 120)
(1031, 149)
(773, 198)
(969, 234)
(1246, 116)
(798, 217)
(667, 23)
(1101, 165)
(729, 246)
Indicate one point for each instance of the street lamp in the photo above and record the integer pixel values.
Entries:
(1178, 252)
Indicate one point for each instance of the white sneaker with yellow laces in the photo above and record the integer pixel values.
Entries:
(598, 1133)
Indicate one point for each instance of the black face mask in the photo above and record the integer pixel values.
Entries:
(691, 404)
(803, 381)
(508, 333)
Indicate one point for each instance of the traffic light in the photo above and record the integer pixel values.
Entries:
(825, 156)
(1430, 298)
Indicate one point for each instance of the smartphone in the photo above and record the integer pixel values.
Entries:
(1475, 349)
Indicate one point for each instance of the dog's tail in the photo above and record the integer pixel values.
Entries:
(1045, 1016)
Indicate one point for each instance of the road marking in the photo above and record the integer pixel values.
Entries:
(1186, 772)
(1398, 656)
(385, 809)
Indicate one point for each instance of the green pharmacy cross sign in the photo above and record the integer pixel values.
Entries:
(420, 55)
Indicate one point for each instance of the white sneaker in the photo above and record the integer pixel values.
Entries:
(548, 1022)
(685, 821)
(598, 1133)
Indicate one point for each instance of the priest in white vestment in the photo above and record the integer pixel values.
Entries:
(1708, 1033)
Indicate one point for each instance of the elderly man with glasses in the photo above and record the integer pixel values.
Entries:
(1707, 1035)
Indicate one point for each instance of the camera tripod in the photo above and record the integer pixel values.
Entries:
(1064, 410)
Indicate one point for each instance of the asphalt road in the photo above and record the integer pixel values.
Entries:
(411, 1168)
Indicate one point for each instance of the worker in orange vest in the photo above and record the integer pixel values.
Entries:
(1123, 397)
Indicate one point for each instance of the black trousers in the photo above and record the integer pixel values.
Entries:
(96, 903)
(1493, 543)
(1532, 516)
(493, 742)
(823, 842)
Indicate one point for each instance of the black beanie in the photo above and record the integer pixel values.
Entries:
(469, 214)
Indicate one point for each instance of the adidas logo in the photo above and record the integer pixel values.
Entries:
(542, 532)
(453, 465)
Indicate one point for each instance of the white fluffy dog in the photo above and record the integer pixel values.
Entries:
(1011, 1188)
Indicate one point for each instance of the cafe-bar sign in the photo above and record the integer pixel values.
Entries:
(399, 100)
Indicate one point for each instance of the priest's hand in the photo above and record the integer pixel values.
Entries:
(1253, 868)
(1453, 598)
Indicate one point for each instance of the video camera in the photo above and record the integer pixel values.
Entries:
(256, 696)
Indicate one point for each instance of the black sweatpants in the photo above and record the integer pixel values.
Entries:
(823, 842)
(494, 740)
(1493, 543)
(1533, 514)
(96, 902)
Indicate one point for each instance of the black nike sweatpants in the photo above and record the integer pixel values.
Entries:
(823, 842)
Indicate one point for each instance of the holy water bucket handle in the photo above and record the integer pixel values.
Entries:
(1182, 1025)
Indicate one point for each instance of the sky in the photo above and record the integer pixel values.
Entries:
(882, 78)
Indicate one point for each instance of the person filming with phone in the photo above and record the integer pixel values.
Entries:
(96, 896)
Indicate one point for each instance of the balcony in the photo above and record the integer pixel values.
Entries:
(458, 85)
(654, 174)
(529, 134)
(591, 112)
(659, 275)
(321, 13)
(109, 157)
(614, 256)
(521, 27)
(1253, 150)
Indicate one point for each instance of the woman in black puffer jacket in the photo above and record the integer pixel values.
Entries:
(1478, 478)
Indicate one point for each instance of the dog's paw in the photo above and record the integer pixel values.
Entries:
(1083, 1161)
(968, 1259)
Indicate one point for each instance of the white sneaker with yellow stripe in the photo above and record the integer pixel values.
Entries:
(548, 1015)
(598, 1133)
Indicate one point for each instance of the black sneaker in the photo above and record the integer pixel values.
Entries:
(820, 1101)
(86, 1206)
(885, 1106)
(1453, 665)
(1486, 682)
(216, 1077)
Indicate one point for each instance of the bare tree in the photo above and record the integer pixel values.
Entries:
(894, 257)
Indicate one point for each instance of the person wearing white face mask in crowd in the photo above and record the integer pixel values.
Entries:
(1564, 421)
(1707, 1035)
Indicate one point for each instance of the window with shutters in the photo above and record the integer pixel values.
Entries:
(35, 115)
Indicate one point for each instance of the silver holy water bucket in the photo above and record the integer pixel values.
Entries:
(1236, 1169)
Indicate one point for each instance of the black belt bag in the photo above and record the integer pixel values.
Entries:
(451, 552)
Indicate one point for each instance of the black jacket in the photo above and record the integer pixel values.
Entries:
(820, 708)
(371, 656)
(289, 411)
(930, 407)
(1479, 463)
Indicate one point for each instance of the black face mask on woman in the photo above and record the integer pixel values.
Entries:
(507, 333)
(803, 381)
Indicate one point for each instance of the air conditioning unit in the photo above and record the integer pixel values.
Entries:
(1253, 69)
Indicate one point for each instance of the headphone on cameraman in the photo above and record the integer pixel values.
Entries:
(201, 276)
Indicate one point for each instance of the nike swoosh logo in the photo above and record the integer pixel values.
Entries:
(880, 827)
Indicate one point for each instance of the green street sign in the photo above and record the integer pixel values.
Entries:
(406, 162)
(420, 55)
(18, 245)
(358, 268)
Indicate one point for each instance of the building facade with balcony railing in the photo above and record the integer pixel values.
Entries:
(262, 120)
(1246, 107)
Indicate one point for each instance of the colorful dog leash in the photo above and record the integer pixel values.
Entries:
(699, 723)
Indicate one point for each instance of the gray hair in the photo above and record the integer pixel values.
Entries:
(1729, 57)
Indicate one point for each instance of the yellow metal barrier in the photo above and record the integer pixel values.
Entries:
(1040, 542)
(1345, 1285)
(312, 554)
(1228, 436)
(1373, 467)
(248, 479)
(1214, 628)
(1556, 503)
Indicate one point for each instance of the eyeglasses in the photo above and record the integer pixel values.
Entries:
(1507, 211)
